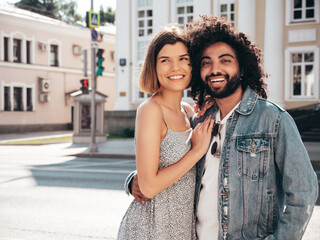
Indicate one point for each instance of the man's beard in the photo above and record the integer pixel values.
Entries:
(232, 85)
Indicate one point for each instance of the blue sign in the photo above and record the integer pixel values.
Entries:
(94, 34)
(123, 62)
(94, 19)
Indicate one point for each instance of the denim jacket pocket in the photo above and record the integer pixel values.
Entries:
(253, 156)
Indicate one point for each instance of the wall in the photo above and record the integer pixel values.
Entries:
(116, 121)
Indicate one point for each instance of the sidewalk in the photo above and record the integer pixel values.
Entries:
(119, 148)
(112, 148)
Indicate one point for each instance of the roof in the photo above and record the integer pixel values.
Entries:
(28, 15)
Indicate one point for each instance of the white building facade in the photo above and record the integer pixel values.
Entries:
(287, 31)
(41, 65)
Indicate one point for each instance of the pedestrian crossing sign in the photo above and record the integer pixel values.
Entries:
(94, 19)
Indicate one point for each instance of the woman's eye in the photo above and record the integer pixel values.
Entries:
(185, 58)
(164, 60)
(226, 60)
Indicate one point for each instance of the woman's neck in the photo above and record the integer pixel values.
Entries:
(170, 100)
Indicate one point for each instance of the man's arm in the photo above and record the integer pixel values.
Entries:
(127, 182)
(299, 181)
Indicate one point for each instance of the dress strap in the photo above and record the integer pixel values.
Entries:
(186, 112)
(164, 119)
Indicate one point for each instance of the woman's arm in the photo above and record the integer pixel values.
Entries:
(148, 131)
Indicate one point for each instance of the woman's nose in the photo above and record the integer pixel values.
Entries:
(175, 65)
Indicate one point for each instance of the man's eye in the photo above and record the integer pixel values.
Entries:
(205, 63)
(184, 58)
(226, 60)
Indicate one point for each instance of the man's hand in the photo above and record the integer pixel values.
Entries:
(135, 191)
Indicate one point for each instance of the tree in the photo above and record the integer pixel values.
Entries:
(64, 10)
(107, 16)
(68, 11)
(45, 7)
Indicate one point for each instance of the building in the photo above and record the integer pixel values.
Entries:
(287, 31)
(41, 65)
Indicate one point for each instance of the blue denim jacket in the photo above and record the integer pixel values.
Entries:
(267, 186)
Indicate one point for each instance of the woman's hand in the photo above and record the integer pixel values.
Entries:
(201, 136)
(208, 103)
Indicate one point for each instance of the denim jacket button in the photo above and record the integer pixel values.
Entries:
(223, 194)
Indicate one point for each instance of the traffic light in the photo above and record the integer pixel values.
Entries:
(84, 86)
(99, 62)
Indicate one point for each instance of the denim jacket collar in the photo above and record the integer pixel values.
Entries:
(248, 102)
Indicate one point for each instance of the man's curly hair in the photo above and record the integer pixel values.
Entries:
(209, 30)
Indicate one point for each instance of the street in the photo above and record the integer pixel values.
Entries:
(47, 194)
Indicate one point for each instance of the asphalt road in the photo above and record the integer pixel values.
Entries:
(44, 195)
(47, 194)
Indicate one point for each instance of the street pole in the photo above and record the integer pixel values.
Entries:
(93, 146)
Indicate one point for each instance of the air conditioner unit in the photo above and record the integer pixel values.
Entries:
(76, 49)
(45, 85)
(42, 46)
(44, 98)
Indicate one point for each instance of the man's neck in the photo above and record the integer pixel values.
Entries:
(228, 103)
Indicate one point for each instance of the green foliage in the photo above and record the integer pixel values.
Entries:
(68, 11)
(125, 133)
(64, 10)
(128, 132)
(107, 16)
(45, 7)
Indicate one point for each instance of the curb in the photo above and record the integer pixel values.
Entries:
(104, 155)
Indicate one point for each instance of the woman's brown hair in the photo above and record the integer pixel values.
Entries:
(170, 34)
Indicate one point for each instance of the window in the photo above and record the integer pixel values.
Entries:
(17, 99)
(186, 93)
(303, 10)
(142, 46)
(29, 99)
(145, 22)
(7, 102)
(86, 116)
(227, 10)
(145, 3)
(184, 11)
(28, 53)
(302, 73)
(54, 55)
(145, 29)
(17, 50)
(6, 48)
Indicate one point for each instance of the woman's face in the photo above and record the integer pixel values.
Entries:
(173, 67)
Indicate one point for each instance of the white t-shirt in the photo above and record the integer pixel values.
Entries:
(207, 211)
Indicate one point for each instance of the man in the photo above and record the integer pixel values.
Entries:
(256, 180)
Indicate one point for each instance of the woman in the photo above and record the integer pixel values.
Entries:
(164, 157)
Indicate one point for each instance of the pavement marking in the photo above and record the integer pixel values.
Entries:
(80, 170)
(55, 169)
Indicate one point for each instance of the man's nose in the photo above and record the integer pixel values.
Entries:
(215, 69)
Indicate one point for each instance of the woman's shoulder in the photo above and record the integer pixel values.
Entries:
(149, 107)
(188, 108)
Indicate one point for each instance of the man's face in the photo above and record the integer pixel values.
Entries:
(220, 70)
